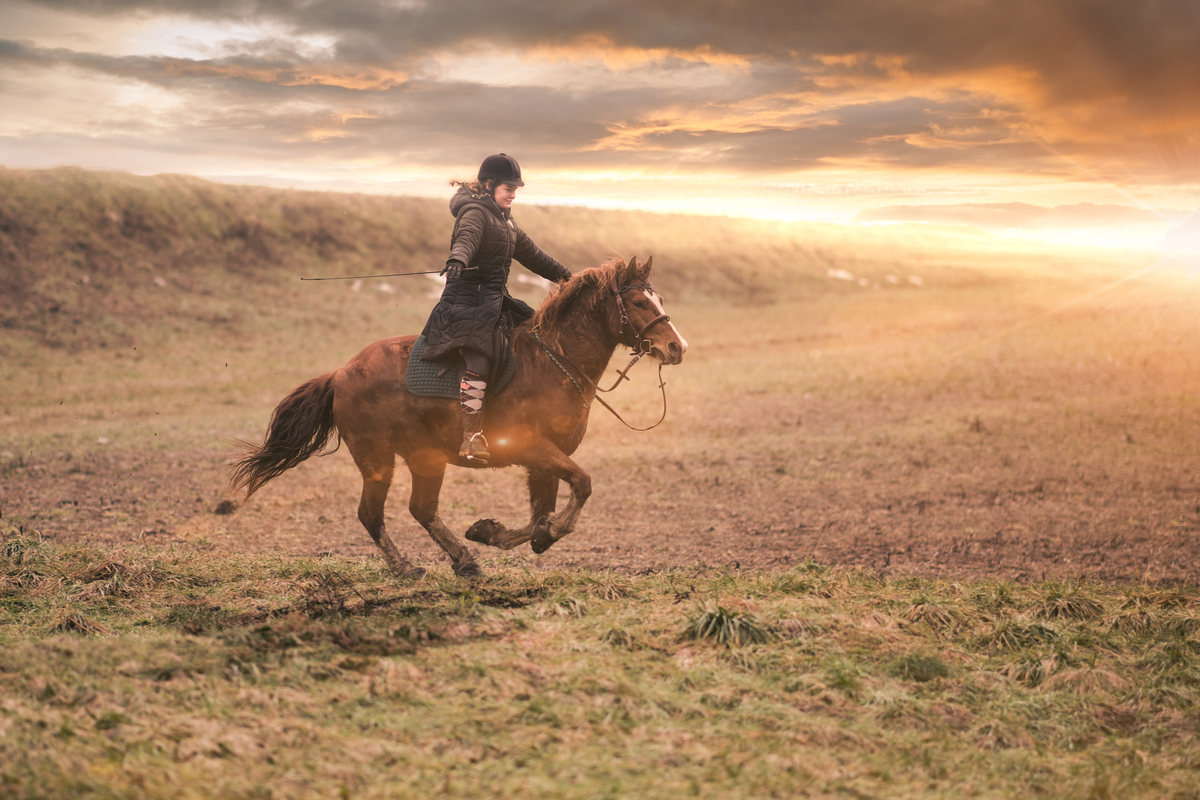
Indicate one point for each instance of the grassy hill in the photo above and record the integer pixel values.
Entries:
(90, 259)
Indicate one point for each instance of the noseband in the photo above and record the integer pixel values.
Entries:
(643, 345)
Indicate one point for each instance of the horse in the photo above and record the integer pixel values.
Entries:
(536, 421)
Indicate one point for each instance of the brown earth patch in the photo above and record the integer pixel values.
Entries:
(947, 508)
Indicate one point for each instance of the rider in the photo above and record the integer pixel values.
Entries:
(464, 321)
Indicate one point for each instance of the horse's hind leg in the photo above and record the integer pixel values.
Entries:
(423, 504)
(377, 467)
(543, 496)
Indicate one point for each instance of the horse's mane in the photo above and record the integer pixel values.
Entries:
(579, 295)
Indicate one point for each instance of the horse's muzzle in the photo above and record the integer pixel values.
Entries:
(673, 354)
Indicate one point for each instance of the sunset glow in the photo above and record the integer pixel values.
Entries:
(1014, 118)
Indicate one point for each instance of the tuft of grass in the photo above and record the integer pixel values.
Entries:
(608, 587)
(938, 616)
(996, 598)
(1175, 656)
(619, 637)
(1141, 598)
(1068, 602)
(1031, 669)
(1138, 622)
(1011, 635)
(70, 621)
(845, 675)
(918, 667)
(564, 605)
(724, 627)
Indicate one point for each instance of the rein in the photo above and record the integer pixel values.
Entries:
(642, 349)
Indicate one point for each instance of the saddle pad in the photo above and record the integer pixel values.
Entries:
(440, 378)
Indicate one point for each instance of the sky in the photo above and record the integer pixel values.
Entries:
(1069, 120)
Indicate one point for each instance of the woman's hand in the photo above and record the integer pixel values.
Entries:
(452, 270)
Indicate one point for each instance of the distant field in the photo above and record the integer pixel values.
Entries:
(945, 484)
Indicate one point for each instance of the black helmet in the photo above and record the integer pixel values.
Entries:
(502, 168)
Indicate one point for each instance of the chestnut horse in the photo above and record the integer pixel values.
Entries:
(536, 421)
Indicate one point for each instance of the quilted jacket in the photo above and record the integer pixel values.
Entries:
(487, 240)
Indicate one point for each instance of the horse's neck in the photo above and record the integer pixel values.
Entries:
(588, 343)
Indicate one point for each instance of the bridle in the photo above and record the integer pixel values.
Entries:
(642, 348)
(643, 345)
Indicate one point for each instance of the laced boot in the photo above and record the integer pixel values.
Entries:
(471, 393)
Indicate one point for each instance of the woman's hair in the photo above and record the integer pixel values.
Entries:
(474, 186)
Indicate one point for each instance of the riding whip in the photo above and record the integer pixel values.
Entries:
(361, 277)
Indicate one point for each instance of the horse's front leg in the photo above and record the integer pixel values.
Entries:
(557, 463)
(543, 497)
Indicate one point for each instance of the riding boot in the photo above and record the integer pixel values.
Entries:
(471, 393)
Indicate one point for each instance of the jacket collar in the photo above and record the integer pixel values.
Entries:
(465, 197)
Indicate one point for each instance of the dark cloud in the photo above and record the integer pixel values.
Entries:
(1077, 48)
(1029, 86)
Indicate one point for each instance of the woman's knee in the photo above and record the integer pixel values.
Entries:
(477, 362)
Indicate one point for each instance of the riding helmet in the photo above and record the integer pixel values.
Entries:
(502, 168)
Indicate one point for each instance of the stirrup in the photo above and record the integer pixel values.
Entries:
(475, 448)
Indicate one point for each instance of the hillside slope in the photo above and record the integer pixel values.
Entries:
(104, 259)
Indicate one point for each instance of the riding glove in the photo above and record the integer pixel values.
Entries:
(452, 270)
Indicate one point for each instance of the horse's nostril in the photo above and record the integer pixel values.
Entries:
(674, 350)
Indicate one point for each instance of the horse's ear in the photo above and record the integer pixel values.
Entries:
(632, 267)
(646, 267)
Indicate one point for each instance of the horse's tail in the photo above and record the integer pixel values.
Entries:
(301, 425)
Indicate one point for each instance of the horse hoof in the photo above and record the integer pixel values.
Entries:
(543, 536)
(468, 570)
(483, 531)
(409, 572)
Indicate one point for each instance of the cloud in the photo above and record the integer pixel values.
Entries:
(1096, 90)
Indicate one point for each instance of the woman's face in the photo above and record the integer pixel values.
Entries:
(505, 195)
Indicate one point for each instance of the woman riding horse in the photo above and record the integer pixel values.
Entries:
(476, 299)
(538, 419)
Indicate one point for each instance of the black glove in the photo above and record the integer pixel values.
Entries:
(452, 270)
(564, 274)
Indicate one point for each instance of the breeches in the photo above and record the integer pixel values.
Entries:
(476, 362)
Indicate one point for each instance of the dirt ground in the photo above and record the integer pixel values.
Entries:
(921, 433)
(939, 504)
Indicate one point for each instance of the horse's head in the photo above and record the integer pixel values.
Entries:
(645, 326)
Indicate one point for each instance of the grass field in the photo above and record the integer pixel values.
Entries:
(167, 673)
(944, 484)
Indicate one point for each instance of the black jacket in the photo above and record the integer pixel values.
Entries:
(486, 240)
